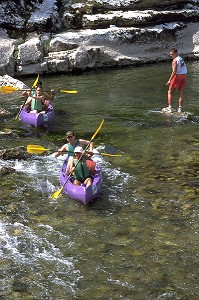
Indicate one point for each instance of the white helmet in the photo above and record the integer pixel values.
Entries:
(78, 149)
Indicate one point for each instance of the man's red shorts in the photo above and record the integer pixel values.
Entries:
(178, 82)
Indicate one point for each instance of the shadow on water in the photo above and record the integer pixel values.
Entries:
(29, 131)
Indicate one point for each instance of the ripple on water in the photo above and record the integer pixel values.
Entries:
(31, 258)
(43, 172)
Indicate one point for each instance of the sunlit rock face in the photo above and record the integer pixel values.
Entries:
(52, 36)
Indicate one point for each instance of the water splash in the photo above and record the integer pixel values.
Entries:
(35, 261)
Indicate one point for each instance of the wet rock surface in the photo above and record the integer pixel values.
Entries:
(4, 112)
(6, 170)
(14, 153)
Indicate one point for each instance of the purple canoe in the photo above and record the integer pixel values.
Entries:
(80, 193)
(37, 120)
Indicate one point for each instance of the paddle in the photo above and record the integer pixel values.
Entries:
(10, 89)
(37, 149)
(68, 92)
(108, 154)
(7, 89)
(34, 84)
(58, 193)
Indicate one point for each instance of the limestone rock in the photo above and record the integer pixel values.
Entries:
(7, 62)
(33, 46)
(50, 36)
(8, 80)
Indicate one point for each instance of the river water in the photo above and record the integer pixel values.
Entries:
(139, 239)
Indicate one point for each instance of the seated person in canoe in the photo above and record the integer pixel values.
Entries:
(36, 102)
(47, 97)
(72, 142)
(78, 167)
(33, 92)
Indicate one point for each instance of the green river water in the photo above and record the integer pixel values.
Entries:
(139, 240)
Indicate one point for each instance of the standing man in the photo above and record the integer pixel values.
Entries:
(177, 80)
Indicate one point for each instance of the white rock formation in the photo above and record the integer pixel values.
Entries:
(56, 37)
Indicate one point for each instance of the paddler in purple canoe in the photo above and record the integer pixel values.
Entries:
(70, 147)
(79, 168)
(72, 143)
(37, 99)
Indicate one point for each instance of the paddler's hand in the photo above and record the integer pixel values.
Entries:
(89, 153)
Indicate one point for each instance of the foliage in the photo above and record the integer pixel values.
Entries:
(16, 53)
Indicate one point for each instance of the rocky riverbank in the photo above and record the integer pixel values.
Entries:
(52, 36)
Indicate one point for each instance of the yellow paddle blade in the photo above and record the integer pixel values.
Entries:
(102, 153)
(68, 92)
(107, 154)
(35, 83)
(8, 89)
(11, 89)
(36, 149)
(57, 193)
(98, 129)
